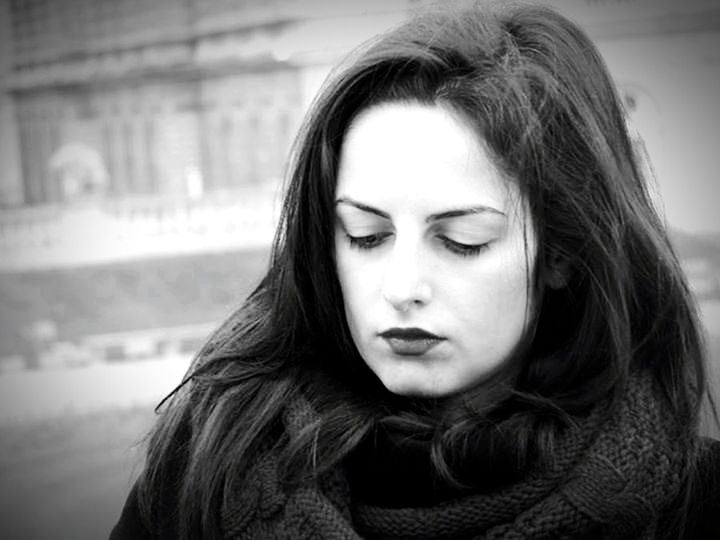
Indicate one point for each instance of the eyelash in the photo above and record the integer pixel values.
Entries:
(464, 250)
(374, 240)
(367, 242)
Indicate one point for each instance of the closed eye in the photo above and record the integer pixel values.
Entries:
(368, 241)
(464, 250)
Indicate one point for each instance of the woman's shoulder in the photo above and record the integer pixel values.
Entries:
(709, 459)
(130, 525)
(245, 490)
(703, 519)
(707, 475)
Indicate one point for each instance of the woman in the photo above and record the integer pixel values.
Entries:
(472, 324)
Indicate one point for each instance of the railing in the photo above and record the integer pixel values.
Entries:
(95, 232)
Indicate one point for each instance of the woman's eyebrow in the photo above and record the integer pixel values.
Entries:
(362, 206)
(460, 212)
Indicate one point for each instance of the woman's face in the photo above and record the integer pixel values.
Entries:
(433, 250)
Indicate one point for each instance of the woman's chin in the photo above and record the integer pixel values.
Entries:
(417, 388)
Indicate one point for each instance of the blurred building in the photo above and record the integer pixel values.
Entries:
(127, 120)
(176, 97)
(166, 114)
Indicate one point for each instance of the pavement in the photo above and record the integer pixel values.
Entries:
(27, 396)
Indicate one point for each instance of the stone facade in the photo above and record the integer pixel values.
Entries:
(174, 97)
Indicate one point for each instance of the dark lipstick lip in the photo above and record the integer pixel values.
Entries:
(409, 334)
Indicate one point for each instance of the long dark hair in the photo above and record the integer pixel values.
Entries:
(537, 92)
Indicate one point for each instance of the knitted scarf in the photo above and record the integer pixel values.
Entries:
(613, 476)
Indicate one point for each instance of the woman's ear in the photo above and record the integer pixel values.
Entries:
(558, 270)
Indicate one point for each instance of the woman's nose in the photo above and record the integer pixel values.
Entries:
(406, 282)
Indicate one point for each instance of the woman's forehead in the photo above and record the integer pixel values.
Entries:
(410, 130)
(412, 151)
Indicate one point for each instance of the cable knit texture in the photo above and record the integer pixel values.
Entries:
(613, 475)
